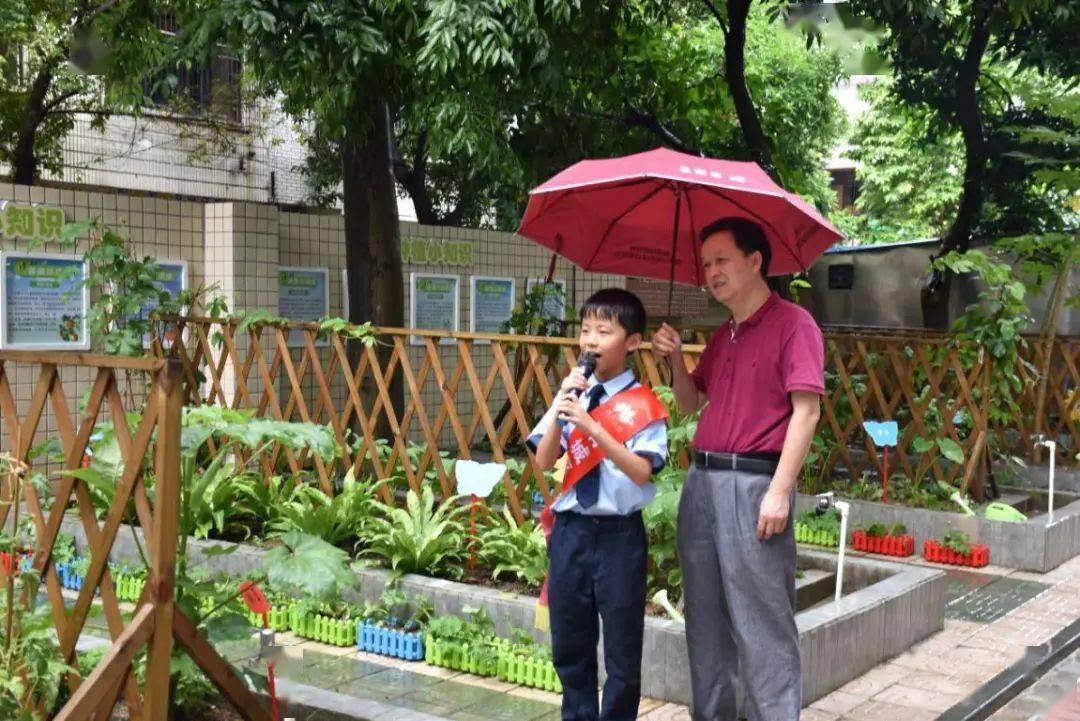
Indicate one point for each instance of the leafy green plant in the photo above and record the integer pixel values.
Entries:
(420, 538)
(537, 314)
(902, 490)
(876, 530)
(957, 541)
(661, 520)
(338, 520)
(124, 286)
(364, 332)
(826, 521)
(681, 427)
(64, 548)
(31, 669)
(308, 567)
(518, 551)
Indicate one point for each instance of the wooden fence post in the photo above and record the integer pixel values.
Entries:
(163, 544)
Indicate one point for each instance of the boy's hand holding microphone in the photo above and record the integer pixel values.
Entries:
(568, 404)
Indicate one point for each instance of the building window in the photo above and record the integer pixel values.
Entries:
(210, 89)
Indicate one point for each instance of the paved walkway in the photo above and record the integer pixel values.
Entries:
(1054, 697)
(934, 675)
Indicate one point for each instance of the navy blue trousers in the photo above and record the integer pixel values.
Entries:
(597, 573)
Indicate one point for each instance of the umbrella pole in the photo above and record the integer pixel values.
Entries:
(671, 275)
(674, 246)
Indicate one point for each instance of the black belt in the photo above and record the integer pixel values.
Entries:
(608, 522)
(749, 462)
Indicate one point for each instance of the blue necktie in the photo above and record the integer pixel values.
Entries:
(588, 488)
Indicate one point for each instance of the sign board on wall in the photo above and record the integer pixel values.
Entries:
(435, 303)
(303, 296)
(433, 251)
(172, 277)
(554, 297)
(38, 224)
(491, 303)
(45, 300)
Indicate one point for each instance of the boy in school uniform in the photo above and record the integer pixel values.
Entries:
(614, 433)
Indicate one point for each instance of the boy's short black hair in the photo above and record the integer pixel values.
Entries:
(619, 305)
(749, 238)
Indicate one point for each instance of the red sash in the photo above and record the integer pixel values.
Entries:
(623, 416)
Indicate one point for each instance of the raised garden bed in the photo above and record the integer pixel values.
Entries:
(1034, 545)
(978, 556)
(900, 545)
(816, 537)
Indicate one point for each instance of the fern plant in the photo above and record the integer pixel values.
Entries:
(512, 550)
(420, 538)
(336, 520)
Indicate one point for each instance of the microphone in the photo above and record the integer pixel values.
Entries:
(587, 363)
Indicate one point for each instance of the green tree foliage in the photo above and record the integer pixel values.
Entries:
(354, 70)
(962, 61)
(59, 58)
(620, 78)
(910, 165)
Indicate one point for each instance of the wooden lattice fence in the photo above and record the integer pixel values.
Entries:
(467, 395)
(157, 623)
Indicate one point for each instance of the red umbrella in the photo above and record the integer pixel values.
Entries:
(640, 215)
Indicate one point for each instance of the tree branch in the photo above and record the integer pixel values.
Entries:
(636, 117)
(51, 106)
(716, 14)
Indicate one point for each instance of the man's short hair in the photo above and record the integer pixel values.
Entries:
(749, 238)
(619, 305)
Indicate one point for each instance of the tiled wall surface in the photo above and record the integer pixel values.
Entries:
(239, 246)
(259, 160)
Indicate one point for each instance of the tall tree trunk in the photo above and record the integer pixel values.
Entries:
(372, 250)
(387, 285)
(24, 162)
(935, 294)
(757, 143)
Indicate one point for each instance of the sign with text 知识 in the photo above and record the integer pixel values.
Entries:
(433, 251)
(434, 303)
(45, 299)
(491, 304)
(303, 296)
(36, 224)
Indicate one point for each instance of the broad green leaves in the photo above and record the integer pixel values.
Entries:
(308, 566)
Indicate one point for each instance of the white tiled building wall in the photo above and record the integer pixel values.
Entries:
(257, 161)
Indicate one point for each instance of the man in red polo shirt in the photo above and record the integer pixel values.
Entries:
(760, 379)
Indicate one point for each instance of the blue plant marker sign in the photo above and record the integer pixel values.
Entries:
(883, 433)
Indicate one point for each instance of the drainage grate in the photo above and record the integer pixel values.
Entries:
(990, 600)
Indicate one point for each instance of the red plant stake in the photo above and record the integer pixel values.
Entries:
(885, 475)
(256, 602)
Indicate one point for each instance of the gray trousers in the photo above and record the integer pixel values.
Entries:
(739, 595)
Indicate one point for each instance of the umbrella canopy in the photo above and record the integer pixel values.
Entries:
(641, 214)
